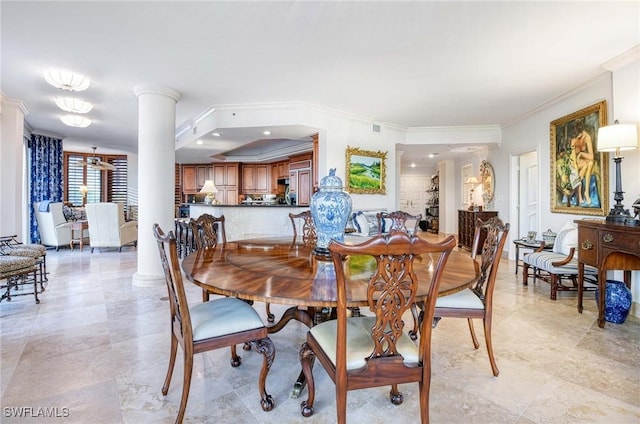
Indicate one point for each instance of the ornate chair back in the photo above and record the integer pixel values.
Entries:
(208, 231)
(397, 221)
(378, 352)
(309, 235)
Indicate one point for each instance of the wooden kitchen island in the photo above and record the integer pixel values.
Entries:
(250, 221)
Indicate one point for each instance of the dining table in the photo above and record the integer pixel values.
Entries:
(279, 270)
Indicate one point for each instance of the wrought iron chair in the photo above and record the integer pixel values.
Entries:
(209, 325)
(377, 352)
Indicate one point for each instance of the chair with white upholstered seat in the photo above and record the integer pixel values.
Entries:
(209, 325)
(477, 302)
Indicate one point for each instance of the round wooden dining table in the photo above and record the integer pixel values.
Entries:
(275, 270)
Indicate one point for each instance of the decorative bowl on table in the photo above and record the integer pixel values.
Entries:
(549, 237)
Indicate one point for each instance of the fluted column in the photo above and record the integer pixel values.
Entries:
(156, 176)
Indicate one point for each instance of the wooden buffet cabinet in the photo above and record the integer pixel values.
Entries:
(467, 226)
(606, 246)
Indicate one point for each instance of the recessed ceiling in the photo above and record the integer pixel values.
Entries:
(410, 64)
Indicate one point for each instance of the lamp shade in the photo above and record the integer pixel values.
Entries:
(617, 137)
(472, 180)
(209, 187)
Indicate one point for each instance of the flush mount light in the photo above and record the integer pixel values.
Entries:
(73, 105)
(266, 132)
(215, 134)
(199, 142)
(432, 155)
(67, 80)
(76, 121)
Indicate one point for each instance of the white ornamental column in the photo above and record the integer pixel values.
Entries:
(156, 176)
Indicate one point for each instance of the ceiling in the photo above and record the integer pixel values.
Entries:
(410, 64)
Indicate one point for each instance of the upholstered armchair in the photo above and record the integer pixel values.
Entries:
(107, 226)
(53, 227)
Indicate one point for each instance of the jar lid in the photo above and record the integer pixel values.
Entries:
(331, 180)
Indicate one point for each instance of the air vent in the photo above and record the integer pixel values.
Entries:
(376, 128)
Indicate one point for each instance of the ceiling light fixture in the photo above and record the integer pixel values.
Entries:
(67, 80)
(199, 142)
(266, 132)
(73, 105)
(75, 121)
(215, 134)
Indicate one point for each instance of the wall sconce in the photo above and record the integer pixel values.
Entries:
(210, 188)
(616, 138)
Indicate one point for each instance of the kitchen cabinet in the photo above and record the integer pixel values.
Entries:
(467, 227)
(225, 175)
(189, 178)
(300, 181)
(255, 178)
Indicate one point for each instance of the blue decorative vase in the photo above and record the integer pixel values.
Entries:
(330, 210)
(617, 301)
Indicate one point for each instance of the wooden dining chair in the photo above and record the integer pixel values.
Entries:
(477, 301)
(309, 238)
(309, 234)
(397, 221)
(208, 230)
(378, 352)
(209, 325)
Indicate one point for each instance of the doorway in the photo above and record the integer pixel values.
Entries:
(528, 194)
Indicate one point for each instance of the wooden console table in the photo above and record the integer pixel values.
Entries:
(606, 246)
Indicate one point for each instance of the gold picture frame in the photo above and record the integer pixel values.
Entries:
(366, 171)
(579, 173)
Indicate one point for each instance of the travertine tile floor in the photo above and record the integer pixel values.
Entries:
(96, 350)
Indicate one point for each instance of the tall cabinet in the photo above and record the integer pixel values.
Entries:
(432, 211)
(467, 226)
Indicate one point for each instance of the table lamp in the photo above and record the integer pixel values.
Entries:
(83, 190)
(616, 138)
(210, 188)
(473, 181)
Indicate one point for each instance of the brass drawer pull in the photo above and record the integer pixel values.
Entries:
(607, 238)
(587, 245)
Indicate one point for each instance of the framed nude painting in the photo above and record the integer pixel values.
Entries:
(579, 173)
(365, 171)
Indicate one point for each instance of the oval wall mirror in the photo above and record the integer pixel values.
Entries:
(488, 180)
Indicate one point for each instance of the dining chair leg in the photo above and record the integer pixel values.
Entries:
(341, 403)
(424, 388)
(205, 295)
(172, 362)
(235, 359)
(307, 358)
(267, 349)
(473, 334)
(487, 337)
(186, 383)
(395, 396)
(413, 333)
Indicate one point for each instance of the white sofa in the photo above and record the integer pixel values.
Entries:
(53, 227)
(107, 226)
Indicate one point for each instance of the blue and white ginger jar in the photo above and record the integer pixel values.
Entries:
(617, 301)
(330, 210)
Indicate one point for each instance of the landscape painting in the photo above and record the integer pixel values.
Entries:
(365, 171)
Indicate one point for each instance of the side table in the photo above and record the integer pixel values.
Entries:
(527, 244)
(78, 226)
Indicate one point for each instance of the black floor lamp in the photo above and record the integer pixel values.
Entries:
(616, 138)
